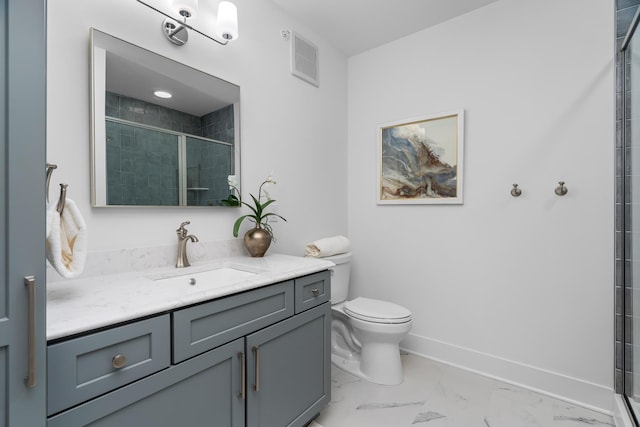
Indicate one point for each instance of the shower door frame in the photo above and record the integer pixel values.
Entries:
(624, 281)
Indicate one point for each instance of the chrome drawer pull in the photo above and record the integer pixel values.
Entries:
(243, 375)
(256, 351)
(30, 380)
(315, 292)
(118, 361)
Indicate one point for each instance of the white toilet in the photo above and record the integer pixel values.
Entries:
(365, 333)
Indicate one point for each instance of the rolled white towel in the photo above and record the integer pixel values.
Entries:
(66, 240)
(327, 247)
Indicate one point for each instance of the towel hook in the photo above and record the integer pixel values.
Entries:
(561, 190)
(515, 191)
(50, 168)
(63, 198)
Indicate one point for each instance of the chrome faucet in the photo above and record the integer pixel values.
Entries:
(183, 261)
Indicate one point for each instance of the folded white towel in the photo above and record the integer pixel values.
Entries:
(66, 239)
(327, 247)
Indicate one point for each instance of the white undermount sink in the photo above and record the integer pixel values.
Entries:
(219, 276)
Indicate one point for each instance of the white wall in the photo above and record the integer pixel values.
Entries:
(516, 288)
(287, 126)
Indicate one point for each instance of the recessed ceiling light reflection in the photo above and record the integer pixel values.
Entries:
(162, 94)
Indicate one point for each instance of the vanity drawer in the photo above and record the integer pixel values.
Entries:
(312, 290)
(203, 327)
(82, 368)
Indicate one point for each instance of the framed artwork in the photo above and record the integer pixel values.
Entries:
(420, 160)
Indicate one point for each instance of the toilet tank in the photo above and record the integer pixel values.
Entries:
(340, 276)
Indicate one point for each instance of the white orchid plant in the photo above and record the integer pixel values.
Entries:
(259, 216)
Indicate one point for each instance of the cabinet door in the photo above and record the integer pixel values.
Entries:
(204, 391)
(22, 203)
(288, 370)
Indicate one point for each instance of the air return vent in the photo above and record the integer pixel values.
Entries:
(304, 59)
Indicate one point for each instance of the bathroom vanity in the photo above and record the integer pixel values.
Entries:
(252, 349)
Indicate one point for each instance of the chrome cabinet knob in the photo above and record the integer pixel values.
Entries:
(315, 292)
(118, 361)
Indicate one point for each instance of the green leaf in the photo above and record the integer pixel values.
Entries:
(273, 214)
(258, 209)
(267, 203)
(236, 225)
(255, 213)
(232, 200)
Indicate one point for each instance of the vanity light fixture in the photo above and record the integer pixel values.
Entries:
(163, 94)
(185, 8)
(227, 25)
(226, 28)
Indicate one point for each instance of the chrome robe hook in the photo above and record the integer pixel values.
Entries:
(62, 199)
(561, 190)
(515, 191)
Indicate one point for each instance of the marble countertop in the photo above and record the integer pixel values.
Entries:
(80, 305)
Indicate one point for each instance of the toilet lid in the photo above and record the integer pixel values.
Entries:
(371, 310)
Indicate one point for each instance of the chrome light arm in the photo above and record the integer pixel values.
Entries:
(184, 25)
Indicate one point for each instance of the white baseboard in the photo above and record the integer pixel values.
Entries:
(573, 390)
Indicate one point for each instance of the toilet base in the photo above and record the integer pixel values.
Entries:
(388, 367)
(350, 366)
(367, 350)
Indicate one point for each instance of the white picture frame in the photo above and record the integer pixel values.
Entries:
(420, 160)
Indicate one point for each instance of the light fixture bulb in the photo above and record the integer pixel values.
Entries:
(163, 94)
(227, 25)
(185, 8)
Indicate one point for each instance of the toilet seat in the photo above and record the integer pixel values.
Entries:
(376, 311)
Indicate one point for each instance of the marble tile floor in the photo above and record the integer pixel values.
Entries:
(438, 395)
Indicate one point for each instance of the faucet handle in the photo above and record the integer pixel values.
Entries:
(181, 230)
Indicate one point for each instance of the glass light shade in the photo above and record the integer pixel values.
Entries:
(189, 7)
(227, 25)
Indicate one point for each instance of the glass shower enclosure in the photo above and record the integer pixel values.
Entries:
(628, 217)
(151, 166)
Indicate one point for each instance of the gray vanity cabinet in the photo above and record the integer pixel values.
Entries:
(201, 392)
(257, 358)
(288, 370)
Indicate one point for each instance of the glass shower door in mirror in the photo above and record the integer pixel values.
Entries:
(142, 166)
(207, 165)
(147, 166)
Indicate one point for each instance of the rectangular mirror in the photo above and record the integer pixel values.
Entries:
(149, 149)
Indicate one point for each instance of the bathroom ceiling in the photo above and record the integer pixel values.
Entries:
(354, 26)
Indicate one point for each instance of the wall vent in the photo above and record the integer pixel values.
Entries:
(304, 59)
